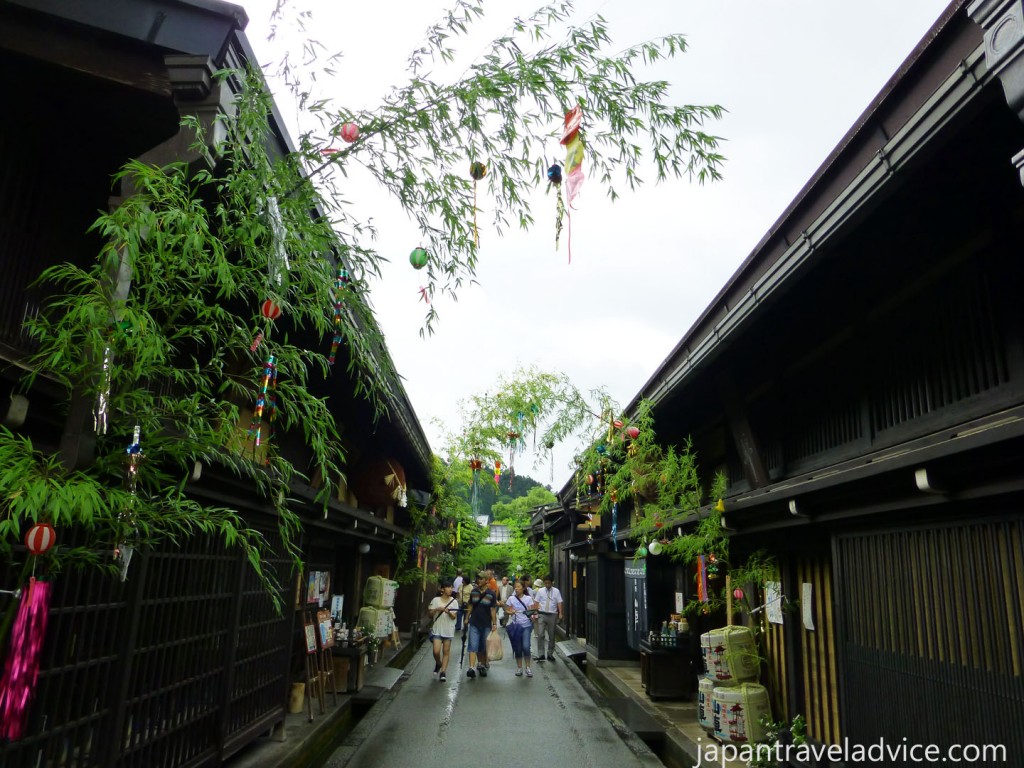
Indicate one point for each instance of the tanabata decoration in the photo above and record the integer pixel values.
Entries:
(555, 182)
(270, 309)
(702, 579)
(477, 171)
(40, 538)
(474, 496)
(22, 667)
(418, 258)
(632, 433)
(654, 548)
(424, 294)
(497, 472)
(573, 143)
(133, 462)
(349, 132)
(340, 282)
(265, 401)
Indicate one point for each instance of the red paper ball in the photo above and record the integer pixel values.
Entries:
(632, 433)
(270, 309)
(40, 537)
(737, 593)
(617, 423)
(349, 132)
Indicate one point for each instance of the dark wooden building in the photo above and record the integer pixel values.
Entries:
(860, 379)
(185, 662)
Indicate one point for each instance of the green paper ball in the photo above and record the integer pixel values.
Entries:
(418, 258)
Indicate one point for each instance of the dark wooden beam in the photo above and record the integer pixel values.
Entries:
(750, 458)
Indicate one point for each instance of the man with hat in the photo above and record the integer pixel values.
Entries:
(482, 619)
(549, 601)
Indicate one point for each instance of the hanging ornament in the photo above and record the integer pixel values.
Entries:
(340, 283)
(737, 593)
(419, 258)
(702, 579)
(497, 472)
(40, 538)
(133, 461)
(349, 132)
(615, 524)
(99, 414)
(256, 342)
(642, 551)
(555, 181)
(424, 296)
(654, 548)
(632, 433)
(477, 171)
(266, 400)
(270, 309)
(573, 143)
(22, 668)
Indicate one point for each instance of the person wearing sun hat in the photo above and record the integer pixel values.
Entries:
(483, 619)
(549, 601)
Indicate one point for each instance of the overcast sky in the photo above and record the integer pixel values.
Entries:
(793, 74)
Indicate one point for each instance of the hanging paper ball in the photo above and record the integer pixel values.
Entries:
(655, 548)
(418, 258)
(270, 309)
(555, 174)
(40, 537)
(590, 479)
(617, 423)
(632, 433)
(642, 552)
(601, 448)
(349, 132)
(737, 593)
(477, 171)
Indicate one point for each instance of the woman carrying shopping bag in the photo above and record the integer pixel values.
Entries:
(522, 612)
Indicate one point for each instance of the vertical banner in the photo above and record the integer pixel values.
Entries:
(636, 602)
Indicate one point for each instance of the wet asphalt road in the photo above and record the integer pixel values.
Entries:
(503, 720)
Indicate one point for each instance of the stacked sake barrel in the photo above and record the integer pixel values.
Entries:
(730, 703)
(378, 600)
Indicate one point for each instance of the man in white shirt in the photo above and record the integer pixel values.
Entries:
(549, 602)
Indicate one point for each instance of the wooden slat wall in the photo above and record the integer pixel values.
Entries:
(818, 651)
(775, 649)
(935, 617)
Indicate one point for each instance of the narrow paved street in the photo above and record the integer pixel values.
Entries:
(502, 719)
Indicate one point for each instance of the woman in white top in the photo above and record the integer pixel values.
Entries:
(521, 610)
(443, 609)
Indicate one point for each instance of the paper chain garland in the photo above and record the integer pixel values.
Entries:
(340, 283)
(266, 400)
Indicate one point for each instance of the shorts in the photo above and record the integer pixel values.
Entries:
(477, 642)
(432, 637)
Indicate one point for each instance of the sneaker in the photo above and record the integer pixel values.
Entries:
(437, 667)
(519, 673)
(443, 677)
(550, 657)
(529, 672)
(470, 673)
(483, 671)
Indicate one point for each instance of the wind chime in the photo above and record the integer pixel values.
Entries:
(340, 283)
(477, 171)
(132, 462)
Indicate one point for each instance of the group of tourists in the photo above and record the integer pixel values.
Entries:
(478, 608)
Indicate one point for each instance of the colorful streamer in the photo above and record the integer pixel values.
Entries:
(340, 282)
(22, 668)
(265, 400)
(573, 143)
(702, 579)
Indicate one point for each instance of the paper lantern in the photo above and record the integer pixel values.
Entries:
(270, 309)
(418, 258)
(40, 537)
(655, 548)
(349, 132)
(632, 433)
(617, 423)
(477, 171)
(737, 593)
(642, 552)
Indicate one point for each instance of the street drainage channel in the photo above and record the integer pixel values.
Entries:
(634, 718)
(358, 707)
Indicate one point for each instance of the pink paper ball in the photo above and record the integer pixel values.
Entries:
(349, 132)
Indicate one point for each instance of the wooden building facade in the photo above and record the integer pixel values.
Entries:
(185, 662)
(860, 380)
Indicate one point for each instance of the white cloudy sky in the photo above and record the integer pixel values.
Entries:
(793, 74)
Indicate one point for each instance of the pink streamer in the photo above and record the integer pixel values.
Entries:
(22, 666)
